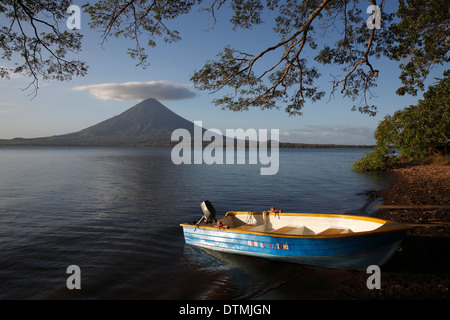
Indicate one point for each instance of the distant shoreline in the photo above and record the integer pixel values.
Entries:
(331, 146)
(49, 142)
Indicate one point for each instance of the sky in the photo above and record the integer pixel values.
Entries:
(114, 84)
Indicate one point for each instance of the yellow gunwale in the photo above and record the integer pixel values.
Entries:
(386, 226)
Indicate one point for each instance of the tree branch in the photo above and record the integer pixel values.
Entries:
(244, 63)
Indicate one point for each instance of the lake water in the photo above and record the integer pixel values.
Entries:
(115, 213)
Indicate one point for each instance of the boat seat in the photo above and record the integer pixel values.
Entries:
(301, 231)
(283, 230)
(246, 226)
(331, 231)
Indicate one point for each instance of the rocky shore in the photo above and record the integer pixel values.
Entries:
(420, 269)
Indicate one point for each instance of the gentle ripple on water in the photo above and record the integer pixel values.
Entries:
(115, 212)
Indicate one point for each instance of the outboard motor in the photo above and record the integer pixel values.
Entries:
(209, 213)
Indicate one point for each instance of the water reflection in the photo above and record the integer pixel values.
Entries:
(235, 276)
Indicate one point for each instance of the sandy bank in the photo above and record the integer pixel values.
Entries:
(421, 268)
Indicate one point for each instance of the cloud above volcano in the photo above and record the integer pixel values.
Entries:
(138, 91)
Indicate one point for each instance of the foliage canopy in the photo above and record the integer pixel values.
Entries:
(414, 133)
(278, 76)
(34, 38)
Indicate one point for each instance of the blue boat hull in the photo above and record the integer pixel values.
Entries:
(349, 252)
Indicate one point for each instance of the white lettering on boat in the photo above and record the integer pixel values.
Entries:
(276, 246)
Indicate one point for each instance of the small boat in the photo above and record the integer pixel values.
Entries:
(324, 240)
